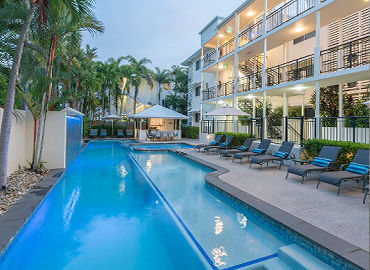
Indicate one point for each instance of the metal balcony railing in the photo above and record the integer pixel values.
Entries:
(225, 89)
(209, 58)
(249, 82)
(294, 70)
(348, 55)
(207, 126)
(251, 33)
(208, 93)
(226, 48)
(287, 12)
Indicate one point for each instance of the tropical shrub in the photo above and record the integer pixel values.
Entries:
(190, 132)
(348, 149)
(238, 139)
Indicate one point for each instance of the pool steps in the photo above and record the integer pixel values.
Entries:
(299, 259)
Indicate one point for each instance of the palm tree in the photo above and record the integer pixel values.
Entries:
(141, 72)
(162, 77)
(126, 78)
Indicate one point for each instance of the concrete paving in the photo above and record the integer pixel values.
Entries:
(343, 216)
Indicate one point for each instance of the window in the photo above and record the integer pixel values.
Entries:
(197, 91)
(304, 37)
(197, 117)
(197, 65)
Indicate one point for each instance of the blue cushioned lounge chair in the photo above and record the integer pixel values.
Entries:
(223, 145)
(93, 133)
(322, 163)
(103, 133)
(214, 142)
(259, 150)
(120, 133)
(283, 153)
(242, 148)
(358, 169)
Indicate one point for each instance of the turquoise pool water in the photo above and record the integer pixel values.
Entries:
(121, 209)
(162, 146)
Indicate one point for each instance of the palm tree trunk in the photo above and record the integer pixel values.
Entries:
(159, 94)
(47, 100)
(6, 124)
(135, 97)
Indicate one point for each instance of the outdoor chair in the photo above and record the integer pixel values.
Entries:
(171, 135)
(164, 135)
(260, 150)
(358, 170)
(149, 135)
(120, 133)
(93, 133)
(216, 141)
(103, 133)
(158, 135)
(217, 148)
(322, 163)
(366, 189)
(129, 134)
(283, 153)
(242, 148)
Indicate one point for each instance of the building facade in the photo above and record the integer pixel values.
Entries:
(269, 55)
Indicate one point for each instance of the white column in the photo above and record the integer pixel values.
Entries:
(317, 48)
(317, 109)
(302, 106)
(254, 107)
(264, 115)
(285, 105)
(340, 101)
(216, 88)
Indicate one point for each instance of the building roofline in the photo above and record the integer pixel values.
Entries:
(191, 57)
(228, 18)
(210, 23)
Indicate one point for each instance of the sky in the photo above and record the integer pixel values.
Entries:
(165, 31)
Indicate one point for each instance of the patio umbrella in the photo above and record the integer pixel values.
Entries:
(367, 103)
(227, 111)
(112, 117)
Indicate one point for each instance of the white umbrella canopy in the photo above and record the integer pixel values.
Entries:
(227, 111)
(367, 103)
(112, 117)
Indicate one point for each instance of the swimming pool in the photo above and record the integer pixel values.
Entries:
(120, 209)
(161, 146)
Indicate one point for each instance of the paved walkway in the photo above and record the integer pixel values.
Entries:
(344, 216)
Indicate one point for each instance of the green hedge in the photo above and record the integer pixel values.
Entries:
(190, 132)
(238, 139)
(346, 154)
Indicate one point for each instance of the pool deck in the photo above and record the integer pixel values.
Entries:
(343, 216)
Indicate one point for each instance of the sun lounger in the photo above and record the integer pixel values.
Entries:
(103, 133)
(322, 163)
(93, 133)
(216, 148)
(366, 189)
(149, 135)
(120, 133)
(214, 142)
(260, 150)
(242, 148)
(280, 155)
(358, 169)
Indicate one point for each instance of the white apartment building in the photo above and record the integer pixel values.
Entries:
(272, 53)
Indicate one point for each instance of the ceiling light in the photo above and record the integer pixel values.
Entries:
(299, 29)
(229, 30)
(221, 35)
(250, 13)
(299, 87)
(249, 96)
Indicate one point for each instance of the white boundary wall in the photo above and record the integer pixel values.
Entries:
(21, 140)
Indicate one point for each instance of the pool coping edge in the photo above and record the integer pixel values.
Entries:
(13, 220)
(349, 252)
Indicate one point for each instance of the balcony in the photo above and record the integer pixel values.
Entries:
(225, 89)
(251, 33)
(348, 55)
(226, 48)
(208, 93)
(287, 12)
(249, 82)
(209, 59)
(294, 70)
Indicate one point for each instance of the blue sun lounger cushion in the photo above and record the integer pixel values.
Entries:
(280, 154)
(222, 144)
(242, 148)
(321, 162)
(357, 168)
(257, 150)
(213, 142)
